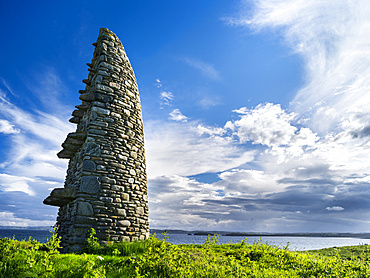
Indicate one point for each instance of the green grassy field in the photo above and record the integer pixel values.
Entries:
(156, 258)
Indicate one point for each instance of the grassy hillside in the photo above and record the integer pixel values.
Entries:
(155, 258)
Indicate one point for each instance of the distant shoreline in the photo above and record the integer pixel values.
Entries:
(38, 228)
(260, 234)
(221, 233)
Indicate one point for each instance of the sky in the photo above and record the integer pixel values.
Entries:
(255, 112)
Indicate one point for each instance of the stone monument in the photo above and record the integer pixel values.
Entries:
(106, 183)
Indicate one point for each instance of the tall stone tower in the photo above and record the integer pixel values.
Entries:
(106, 183)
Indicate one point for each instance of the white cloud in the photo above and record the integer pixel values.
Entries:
(158, 83)
(271, 126)
(181, 200)
(9, 219)
(332, 37)
(335, 208)
(201, 129)
(43, 125)
(30, 163)
(180, 149)
(248, 181)
(7, 128)
(176, 115)
(266, 124)
(14, 183)
(166, 98)
(206, 69)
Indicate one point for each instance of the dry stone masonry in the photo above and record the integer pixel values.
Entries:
(106, 183)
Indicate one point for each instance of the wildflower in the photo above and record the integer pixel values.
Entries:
(100, 258)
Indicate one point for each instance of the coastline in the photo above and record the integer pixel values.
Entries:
(221, 233)
(247, 234)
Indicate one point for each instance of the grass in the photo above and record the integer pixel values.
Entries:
(156, 258)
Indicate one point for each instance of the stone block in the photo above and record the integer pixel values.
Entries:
(87, 97)
(89, 165)
(120, 212)
(124, 223)
(103, 88)
(102, 98)
(70, 147)
(73, 141)
(97, 131)
(125, 197)
(100, 110)
(99, 79)
(101, 124)
(106, 199)
(85, 208)
(133, 155)
(108, 180)
(79, 219)
(121, 157)
(92, 149)
(117, 188)
(140, 210)
(90, 184)
(132, 172)
(115, 85)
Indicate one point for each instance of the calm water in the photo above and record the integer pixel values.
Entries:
(295, 243)
(39, 235)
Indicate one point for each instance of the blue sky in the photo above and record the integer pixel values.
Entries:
(255, 112)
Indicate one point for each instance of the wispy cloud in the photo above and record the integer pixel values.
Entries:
(207, 102)
(184, 149)
(158, 83)
(30, 166)
(176, 115)
(14, 183)
(331, 36)
(7, 128)
(166, 98)
(206, 69)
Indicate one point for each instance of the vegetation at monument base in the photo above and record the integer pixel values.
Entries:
(156, 258)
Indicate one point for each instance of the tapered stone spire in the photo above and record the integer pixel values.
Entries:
(106, 183)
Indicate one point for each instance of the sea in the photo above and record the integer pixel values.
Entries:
(293, 243)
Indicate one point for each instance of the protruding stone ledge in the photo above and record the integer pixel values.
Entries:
(78, 113)
(87, 97)
(71, 147)
(86, 81)
(65, 154)
(82, 107)
(61, 196)
(77, 135)
(74, 120)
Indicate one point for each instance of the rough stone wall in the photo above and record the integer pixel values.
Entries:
(106, 183)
